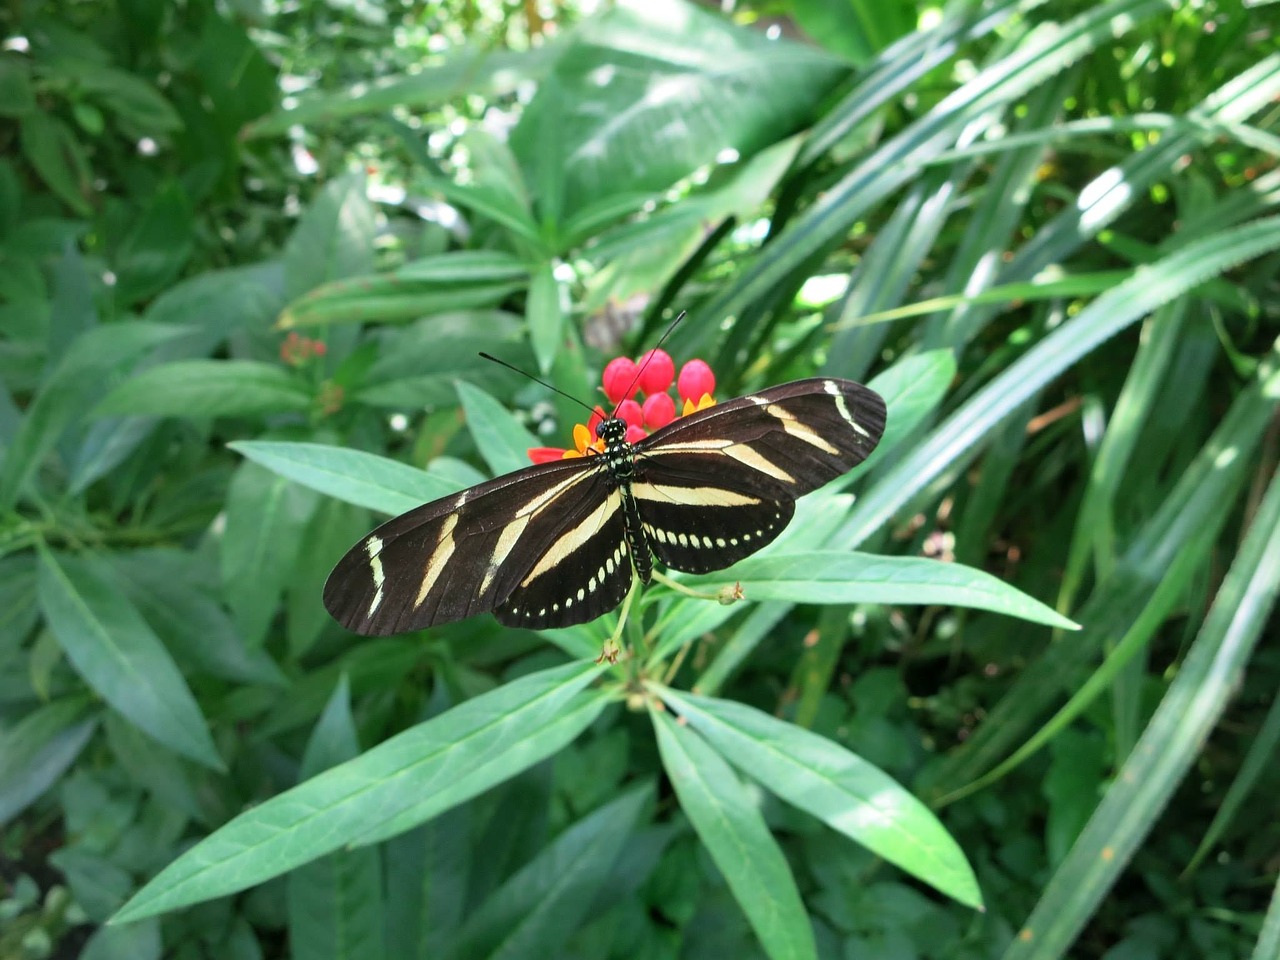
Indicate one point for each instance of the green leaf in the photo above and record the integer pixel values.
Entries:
(537, 910)
(855, 29)
(501, 438)
(335, 903)
(455, 756)
(364, 479)
(134, 101)
(333, 239)
(832, 576)
(266, 515)
(116, 654)
(158, 246)
(333, 528)
(55, 153)
(207, 388)
(75, 384)
(37, 749)
(98, 885)
(466, 266)
(731, 827)
(140, 941)
(838, 787)
(912, 388)
(609, 117)
(545, 315)
(17, 97)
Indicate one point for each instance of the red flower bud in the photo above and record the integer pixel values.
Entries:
(635, 434)
(696, 379)
(657, 370)
(631, 412)
(659, 410)
(618, 377)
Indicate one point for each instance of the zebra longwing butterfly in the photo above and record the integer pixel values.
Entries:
(558, 543)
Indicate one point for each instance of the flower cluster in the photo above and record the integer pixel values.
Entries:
(297, 350)
(639, 391)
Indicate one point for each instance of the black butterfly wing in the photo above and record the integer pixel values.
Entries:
(719, 484)
(472, 552)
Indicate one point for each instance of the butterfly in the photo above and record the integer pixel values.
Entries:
(556, 544)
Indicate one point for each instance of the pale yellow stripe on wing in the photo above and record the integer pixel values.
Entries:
(576, 536)
(741, 452)
(798, 430)
(439, 557)
(695, 496)
(506, 543)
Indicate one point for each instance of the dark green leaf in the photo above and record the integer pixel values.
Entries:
(56, 155)
(38, 749)
(207, 388)
(114, 650)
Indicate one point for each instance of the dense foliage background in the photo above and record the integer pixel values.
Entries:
(246, 247)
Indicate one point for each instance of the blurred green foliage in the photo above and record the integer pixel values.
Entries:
(248, 254)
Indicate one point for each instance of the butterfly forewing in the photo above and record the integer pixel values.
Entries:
(717, 485)
(461, 555)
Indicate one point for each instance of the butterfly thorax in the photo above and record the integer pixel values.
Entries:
(618, 453)
(621, 463)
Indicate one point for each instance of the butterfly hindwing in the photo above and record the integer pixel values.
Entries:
(583, 568)
(719, 484)
(461, 555)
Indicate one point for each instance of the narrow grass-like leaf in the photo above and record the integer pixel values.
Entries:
(1170, 744)
(1268, 945)
(336, 807)
(838, 787)
(960, 436)
(731, 827)
(207, 388)
(538, 909)
(116, 653)
(466, 266)
(335, 903)
(365, 479)
(832, 576)
(912, 389)
(502, 439)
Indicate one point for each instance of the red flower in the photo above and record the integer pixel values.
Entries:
(658, 409)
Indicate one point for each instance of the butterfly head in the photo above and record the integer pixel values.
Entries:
(612, 430)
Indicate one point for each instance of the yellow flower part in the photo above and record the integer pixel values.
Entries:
(703, 403)
(582, 440)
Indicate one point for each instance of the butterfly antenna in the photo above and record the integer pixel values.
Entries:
(526, 373)
(661, 340)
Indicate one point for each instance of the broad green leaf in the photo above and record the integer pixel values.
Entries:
(16, 94)
(335, 903)
(153, 768)
(157, 246)
(466, 266)
(140, 941)
(836, 786)
(363, 479)
(854, 29)
(116, 654)
(72, 312)
(334, 527)
(142, 108)
(390, 298)
(481, 742)
(333, 239)
(191, 623)
(912, 389)
(266, 515)
(74, 385)
(541, 738)
(58, 158)
(98, 885)
(596, 127)
(538, 909)
(208, 388)
(731, 827)
(501, 438)
(832, 576)
(37, 749)
(545, 315)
